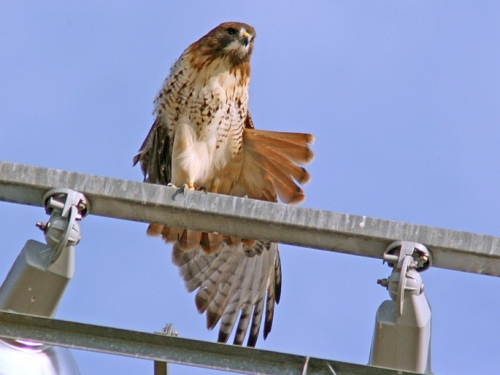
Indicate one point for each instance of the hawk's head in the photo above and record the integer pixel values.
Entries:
(231, 40)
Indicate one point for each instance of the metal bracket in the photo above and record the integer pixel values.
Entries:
(404, 257)
(65, 208)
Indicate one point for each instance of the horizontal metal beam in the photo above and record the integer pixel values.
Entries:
(173, 349)
(248, 218)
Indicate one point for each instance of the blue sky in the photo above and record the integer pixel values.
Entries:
(402, 96)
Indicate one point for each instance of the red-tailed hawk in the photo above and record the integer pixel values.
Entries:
(203, 138)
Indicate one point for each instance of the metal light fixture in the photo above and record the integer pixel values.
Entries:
(36, 282)
(403, 324)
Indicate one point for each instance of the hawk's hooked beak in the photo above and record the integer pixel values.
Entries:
(245, 38)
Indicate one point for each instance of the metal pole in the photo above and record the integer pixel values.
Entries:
(175, 350)
(160, 367)
(248, 218)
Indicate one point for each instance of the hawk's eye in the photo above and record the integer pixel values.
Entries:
(231, 31)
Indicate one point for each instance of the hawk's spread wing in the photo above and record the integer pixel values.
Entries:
(203, 136)
(235, 279)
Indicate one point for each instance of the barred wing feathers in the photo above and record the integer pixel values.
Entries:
(233, 283)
